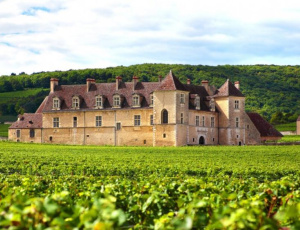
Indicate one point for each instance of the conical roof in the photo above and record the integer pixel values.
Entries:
(171, 82)
(228, 89)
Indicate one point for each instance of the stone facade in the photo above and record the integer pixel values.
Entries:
(164, 113)
(298, 126)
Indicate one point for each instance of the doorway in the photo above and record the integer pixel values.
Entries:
(201, 140)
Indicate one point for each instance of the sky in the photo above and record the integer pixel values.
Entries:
(48, 35)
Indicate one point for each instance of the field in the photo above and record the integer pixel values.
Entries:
(286, 127)
(4, 130)
(290, 138)
(93, 187)
(15, 94)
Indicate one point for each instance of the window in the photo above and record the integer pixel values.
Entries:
(212, 122)
(197, 121)
(99, 102)
(18, 133)
(50, 138)
(117, 102)
(75, 102)
(98, 121)
(31, 133)
(151, 119)
(181, 98)
(137, 120)
(164, 135)
(181, 118)
(237, 122)
(164, 115)
(151, 99)
(56, 122)
(118, 124)
(74, 122)
(197, 102)
(56, 104)
(135, 100)
(212, 105)
(236, 104)
(203, 121)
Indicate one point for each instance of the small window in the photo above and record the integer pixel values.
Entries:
(116, 101)
(164, 135)
(18, 133)
(236, 104)
(193, 139)
(98, 121)
(203, 121)
(151, 99)
(137, 120)
(56, 122)
(248, 126)
(197, 102)
(164, 115)
(75, 102)
(74, 122)
(181, 118)
(182, 98)
(145, 142)
(56, 103)
(136, 100)
(31, 133)
(197, 121)
(212, 122)
(118, 125)
(50, 138)
(151, 119)
(213, 139)
(237, 122)
(99, 102)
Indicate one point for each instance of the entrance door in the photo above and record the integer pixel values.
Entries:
(201, 140)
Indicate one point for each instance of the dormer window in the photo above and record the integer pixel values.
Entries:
(75, 102)
(151, 100)
(136, 101)
(56, 103)
(197, 103)
(99, 102)
(116, 101)
(212, 105)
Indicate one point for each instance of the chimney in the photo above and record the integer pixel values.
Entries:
(237, 85)
(205, 84)
(53, 83)
(135, 80)
(118, 81)
(89, 81)
(188, 81)
(159, 78)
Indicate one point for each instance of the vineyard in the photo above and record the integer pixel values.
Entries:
(89, 187)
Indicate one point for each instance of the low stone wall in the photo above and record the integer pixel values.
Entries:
(285, 133)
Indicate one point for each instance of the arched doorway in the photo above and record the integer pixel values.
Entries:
(201, 140)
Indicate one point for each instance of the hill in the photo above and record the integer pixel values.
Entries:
(269, 89)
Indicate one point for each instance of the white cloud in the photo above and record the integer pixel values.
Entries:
(59, 35)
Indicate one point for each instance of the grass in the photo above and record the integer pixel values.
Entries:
(286, 127)
(16, 94)
(290, 138)
(4, 130)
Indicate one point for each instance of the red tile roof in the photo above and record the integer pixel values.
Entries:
(171, 83)
(228, 89)
(264, 127)
(28, 121)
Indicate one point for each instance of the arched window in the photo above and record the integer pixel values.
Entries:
(164, 115)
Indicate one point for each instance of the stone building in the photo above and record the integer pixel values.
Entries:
(163, 113)
(298, 126)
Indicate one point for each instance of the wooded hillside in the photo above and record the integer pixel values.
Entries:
(269, 89)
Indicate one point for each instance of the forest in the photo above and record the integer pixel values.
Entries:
(272, 91)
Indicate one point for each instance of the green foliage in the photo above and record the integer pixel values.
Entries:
(4, 130)
(290, 138)
(286, 127)
(268, 88)
(96, 187)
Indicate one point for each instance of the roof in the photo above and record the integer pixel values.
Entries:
(126, 90)
(28, 121)
(171, 82)
(265, 128)
(228, 89)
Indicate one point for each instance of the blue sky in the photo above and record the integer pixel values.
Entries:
(47, 35)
